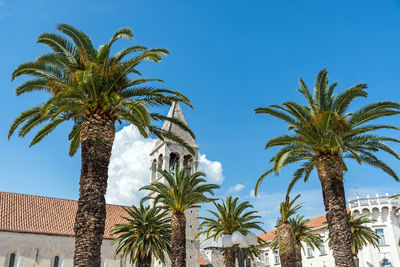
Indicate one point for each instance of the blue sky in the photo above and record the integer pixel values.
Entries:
(228, 57)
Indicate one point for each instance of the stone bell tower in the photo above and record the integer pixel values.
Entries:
(164, 156)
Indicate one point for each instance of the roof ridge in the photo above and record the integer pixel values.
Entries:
(59, 198)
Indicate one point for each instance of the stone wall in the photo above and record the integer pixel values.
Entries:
(38, 250)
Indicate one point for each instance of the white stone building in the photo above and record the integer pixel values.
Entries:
(38, 231)
(381, 209)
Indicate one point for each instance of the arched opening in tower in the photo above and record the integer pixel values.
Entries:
(188, 163)
(153, 170)
(160, 165)
(173, 160)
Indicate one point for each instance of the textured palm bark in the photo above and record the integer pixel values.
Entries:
(298, 255)
(144, 262)
(230, 257)
(287, 246)
(97, 137)
(178, 240)
(330, 173)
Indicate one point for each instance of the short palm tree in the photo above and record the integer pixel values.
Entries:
(302, 233)
(182, 192)
(285, 235)
(146, 233)
(361, 234)
(324, 134)
(230, 216)
(249, 254)
(93, 89)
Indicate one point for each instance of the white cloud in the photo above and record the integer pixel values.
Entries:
(130, 164)
(129, 167)
(236, 188)
(213, 169)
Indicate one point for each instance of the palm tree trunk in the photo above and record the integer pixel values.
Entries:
(145, 262)
(178, 239)
(230, 257)
(330, 173)
(97, 137)
(287, 246)
(298, 255)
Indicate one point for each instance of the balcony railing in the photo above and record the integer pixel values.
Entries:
(373, 201)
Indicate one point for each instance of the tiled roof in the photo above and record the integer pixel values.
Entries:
(45, 215)
(317, 221)
(312, 223)
(268, 235)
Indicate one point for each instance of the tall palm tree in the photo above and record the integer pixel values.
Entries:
(324, 135)
(146, 233)
(302, 233)
(182, 192)
(93, 89)
(285, 235)
(230, 216)
(361, 234)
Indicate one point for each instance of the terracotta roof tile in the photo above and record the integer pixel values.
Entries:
(36, 214)
(317, 221)
(268, 235)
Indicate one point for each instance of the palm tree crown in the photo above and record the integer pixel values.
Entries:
(325, 127)
(146, 233)
(183, 191)
(362, 235)
(230, 216)
(83, 82)
(288, 208)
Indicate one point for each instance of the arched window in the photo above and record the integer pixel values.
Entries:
(11, 262)
(160, 164)
(153, 170)
(173, 160)
(188, 163)
(56, 261)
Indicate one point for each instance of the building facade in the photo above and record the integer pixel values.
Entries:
(39, 232)
(382, 209)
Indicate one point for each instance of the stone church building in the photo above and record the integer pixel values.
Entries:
(38, 231)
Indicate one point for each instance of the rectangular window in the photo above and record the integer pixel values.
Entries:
(322, 250)
(266, 258)
(11, 263)
(276, 256)
(309, 252)
(381, 236)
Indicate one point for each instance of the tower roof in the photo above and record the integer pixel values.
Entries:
(176, 112)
